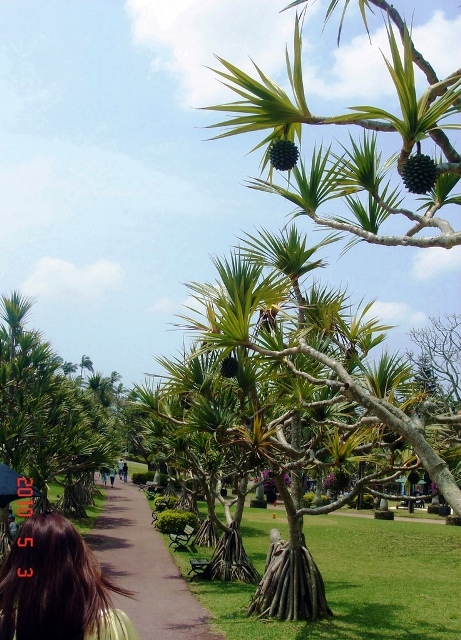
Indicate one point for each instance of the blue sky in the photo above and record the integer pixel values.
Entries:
(110, 196)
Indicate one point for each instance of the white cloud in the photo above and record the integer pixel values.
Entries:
(185, 34)
(396, 313)
(11, 104)
(434, 262)
(359, 70)
(54, 277)
(164, 305)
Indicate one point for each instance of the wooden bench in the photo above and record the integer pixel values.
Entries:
(181, 540)
(418, 504)
(161, 506)
(198, 566)
(155, 490)
(144, 486)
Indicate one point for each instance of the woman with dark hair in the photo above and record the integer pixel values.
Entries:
(52, 587)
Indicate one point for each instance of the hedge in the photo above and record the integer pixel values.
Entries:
(171, 521)
(368, 502)
(308, 499)
(142, 478)
(161, 503)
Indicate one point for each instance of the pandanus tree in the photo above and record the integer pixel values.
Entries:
(28, 371)
(368, 192)
(46, 427)
(320, 404)
(202, 408)
(363, 185)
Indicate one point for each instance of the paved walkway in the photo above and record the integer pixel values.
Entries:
(132, 552)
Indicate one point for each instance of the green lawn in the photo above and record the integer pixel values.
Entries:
(136, 467)
(384, 580)
(84, 526)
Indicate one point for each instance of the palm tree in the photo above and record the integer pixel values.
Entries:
(114, 377)
(69, 368)
(86, 363)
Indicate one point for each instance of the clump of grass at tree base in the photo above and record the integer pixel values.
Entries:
(384, 580)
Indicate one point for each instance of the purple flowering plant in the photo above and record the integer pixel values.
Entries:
(269, 484)
(329, 481)
(433, 488)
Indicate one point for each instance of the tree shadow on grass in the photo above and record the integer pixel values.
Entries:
(371, 620)
(216, 585)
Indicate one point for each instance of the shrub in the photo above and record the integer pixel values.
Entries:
(384, 515)
(171, 521)
(368, 502)
(433, 508)
(337, 481)
(269, 484)
(142, 478)
(161, 503)
(308, 499)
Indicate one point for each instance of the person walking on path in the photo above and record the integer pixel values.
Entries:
(125, 472)
(130, 549)
(104, 477)
(121, 462)
(112, 474)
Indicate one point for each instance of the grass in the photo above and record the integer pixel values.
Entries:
(384, 580)
(83, 525)
(136, 467)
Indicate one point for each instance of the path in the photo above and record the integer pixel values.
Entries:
(355, 514)
(132, 553)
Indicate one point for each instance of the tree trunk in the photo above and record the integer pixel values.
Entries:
(5, 536)
(296, 475)
(230, 561)
(207, 535)
(70, 504)
(292, 587)
(86, 488)
(407, 427)
(188, 502)
(42, 504)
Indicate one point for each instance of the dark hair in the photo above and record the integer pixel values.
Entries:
(66, 597)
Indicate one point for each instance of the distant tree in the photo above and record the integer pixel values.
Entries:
(87, 364)
(114, 377)
(48, 427)
(425, 376)
(101, 388)
(69, 368)
(440, 356)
